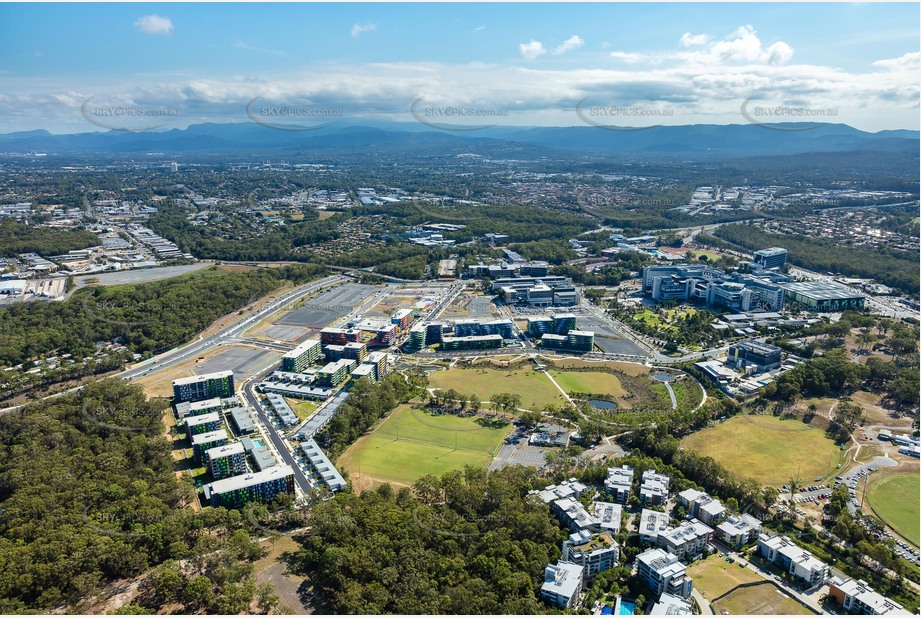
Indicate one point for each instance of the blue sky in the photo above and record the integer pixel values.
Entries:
(526, 63)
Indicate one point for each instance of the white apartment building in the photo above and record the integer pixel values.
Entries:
(664, 573)
(797, 561)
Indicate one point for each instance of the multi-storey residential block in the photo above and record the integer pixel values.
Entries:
(596, 553)
(339, 336)
(483, 342)
(261, 486)
(203, 441)
(739, 530)
(476, 328)
(698, 504)
(333, 374)
(567, 489)
(562, 584)
(402, 318)
(794, 559)
(663, 573)
(205, 386)
(652, 524)
(227, 460)
(618, 483)
(194, 408)
(364, 371)
(857, 597)
(654, 488)
(670, 605)
(538, 325)
(304, 354)
(203, 423)
(687, 540)
(434, 332)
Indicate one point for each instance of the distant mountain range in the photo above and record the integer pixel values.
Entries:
(697, 140)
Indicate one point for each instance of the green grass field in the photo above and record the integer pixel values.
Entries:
(763, 600)
(594, 382)
(714, 576)
(767, 449)
(304, 408)
(535, 389)
(894, 498)
(411, 443)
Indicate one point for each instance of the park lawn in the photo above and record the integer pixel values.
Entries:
(589, 382)
(760, 600)
(426, 445)
(894, 498)
(534, 388)
(714, 576)
(767, 449)
(304, 408)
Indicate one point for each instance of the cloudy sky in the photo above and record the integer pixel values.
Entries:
(83, 68)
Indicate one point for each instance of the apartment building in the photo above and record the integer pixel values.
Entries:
(670, 605)
(260, 486)
(203, 423)
(687, 540)
(567, 489)
(795, 560)
(698, 504)
(652, 524)
(596, 553)
(857, 597)
(476, 328)
(206, 386)
(304, 354)
(194, 408)
(203, 442)
(227, 460)
(663, 573)
(654, 488)
(619, 483)
(562, 585)
(739, 530)
(482, 342)
(333, 374)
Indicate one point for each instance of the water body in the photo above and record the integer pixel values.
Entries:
(602, 404)
(662, 376)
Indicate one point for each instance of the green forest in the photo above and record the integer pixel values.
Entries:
(16, 238)
(466, 543)
(147, 318)
(83, 504)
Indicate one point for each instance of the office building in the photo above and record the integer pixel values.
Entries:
(824, 296)
(576, 340)
(795, 560)
(562, 584)
(654, 488)
(739, 530)
(304, 354)
(762, 355)
(618, 483)
(203, 423)
(663, 573)
(596, 553)
(484, 342)
(652, 524)
(775, 257)
(538, 325)
(201, 442)
(476, 328)
(857, 597)
(713, 287)
(552, 290)
(687, 540)
(262, 486)
(205, 386)
(226, 460)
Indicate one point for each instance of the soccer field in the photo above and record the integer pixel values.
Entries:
(589, 382)
(894, 498)
(767, 449)
(411, 443)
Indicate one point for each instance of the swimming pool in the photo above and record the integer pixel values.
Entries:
(257, 443)
(626, 608)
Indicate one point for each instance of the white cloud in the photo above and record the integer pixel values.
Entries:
(743, 45)
(479, 29)
(690, 40)
(911, 60)
(573, 42)
(532, 49)
(154, 24)
(360, 29)
(628, 57)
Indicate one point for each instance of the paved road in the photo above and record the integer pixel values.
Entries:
(703, 603)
